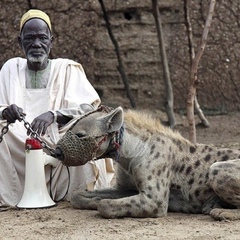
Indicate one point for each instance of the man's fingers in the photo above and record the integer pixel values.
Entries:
(44, 129)
(13, 113)
(39, 126)
(8, 116)
(41, 123)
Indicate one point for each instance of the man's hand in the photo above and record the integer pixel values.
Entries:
(13, 113)
(41, 123)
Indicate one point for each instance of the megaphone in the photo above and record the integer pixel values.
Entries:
(35, 194)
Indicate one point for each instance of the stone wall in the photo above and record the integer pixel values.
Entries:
(80, 33)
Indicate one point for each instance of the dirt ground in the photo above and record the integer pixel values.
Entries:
(63, 222)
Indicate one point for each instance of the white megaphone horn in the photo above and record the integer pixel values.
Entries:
(35, 194)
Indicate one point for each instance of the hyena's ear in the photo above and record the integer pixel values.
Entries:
(85, 108)
(113, 120)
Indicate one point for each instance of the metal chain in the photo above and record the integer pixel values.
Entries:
(4, 131)
(33, 134)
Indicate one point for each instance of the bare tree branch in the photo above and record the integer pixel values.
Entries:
(193, 78)
(200, 113)
(192, 56)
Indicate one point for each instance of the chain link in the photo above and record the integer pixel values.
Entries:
(33, 134)
(4, 131)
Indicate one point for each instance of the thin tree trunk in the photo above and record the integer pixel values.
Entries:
(166, 73)
(120, 66)
(194, 79)
(192, 56)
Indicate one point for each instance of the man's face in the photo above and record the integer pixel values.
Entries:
(36, 42)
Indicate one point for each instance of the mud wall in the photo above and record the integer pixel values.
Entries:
(80, 33)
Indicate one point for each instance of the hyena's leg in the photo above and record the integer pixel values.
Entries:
(225, 180)
(91, 199)
(152, 200)
(140, 206)
(125, 187)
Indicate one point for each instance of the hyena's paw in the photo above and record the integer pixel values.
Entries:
(225, 214)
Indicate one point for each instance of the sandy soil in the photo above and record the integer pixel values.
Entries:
(63, 222)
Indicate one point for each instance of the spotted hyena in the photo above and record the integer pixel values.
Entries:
(158, 170)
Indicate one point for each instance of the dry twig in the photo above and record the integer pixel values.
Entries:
(193, 77)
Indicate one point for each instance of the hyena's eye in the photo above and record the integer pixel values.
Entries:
(81, 134)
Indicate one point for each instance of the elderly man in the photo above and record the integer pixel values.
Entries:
(49, 92)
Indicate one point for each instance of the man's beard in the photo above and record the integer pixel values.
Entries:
(37, 59)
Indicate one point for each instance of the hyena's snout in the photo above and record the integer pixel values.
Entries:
(58, 153)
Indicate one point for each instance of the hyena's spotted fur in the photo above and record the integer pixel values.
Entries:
(160, 171)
